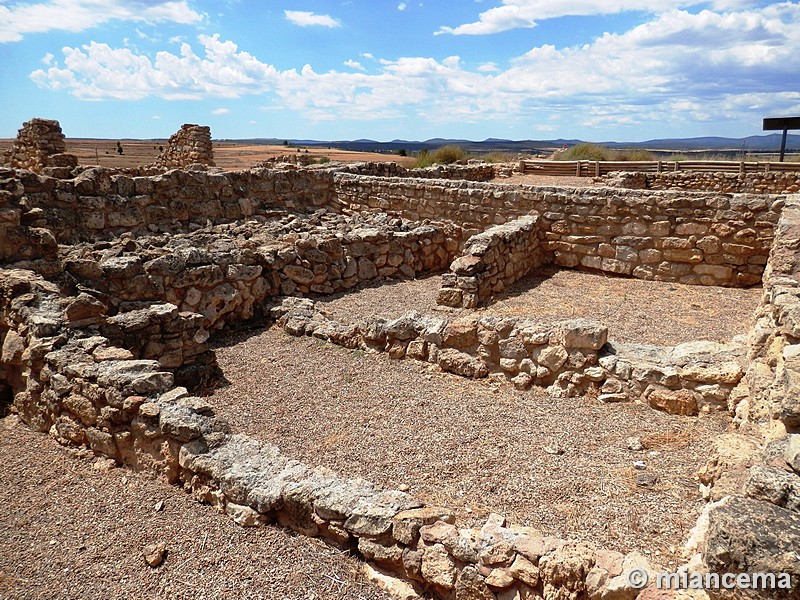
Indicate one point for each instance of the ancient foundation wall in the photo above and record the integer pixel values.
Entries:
(726, 183)
(77, 385)
(227, 277)
(493, 260)
(694, 238)
(102, 204)
(774, 372)
(476, 172)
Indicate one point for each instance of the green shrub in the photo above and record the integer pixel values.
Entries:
(444, 155)
(586, 152)
(322, 160)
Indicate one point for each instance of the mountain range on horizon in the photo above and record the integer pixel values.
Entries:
(754, 143)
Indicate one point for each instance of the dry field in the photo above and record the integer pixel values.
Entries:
(227, 155)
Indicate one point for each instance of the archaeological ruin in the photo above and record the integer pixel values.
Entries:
(115, 285)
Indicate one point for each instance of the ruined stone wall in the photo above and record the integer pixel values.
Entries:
(491, 261)
(227, 273)
(474, 172)
(191, 144)
(568, 358)
(40, 145)
(726, 183)
(86, 391)
(101, 203)
(774, 372)
(693, 238)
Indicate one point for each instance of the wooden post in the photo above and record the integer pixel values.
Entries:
(783, 144)
(597, 168)
(577, 168)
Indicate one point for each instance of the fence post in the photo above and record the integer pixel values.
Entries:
(597, 168)
(577, 168)
(522, 167)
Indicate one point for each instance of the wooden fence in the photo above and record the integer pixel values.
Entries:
(592, 168)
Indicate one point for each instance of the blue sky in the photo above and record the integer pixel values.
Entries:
(540, 69)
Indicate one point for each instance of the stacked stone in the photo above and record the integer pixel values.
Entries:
(162, 333)
(191, 144)
(21, 236)
(471, 172)
(492, 261)
(40, 147)
(567, 358)
(227, 276)
(775, 182)
(692, 238)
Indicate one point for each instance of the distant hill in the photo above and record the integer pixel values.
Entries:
(754, 143)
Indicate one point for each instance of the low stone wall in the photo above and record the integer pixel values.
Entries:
(567, 358)
(491, 261)
(85, 391)
(19, 239)
(470, 172)
(693, 238)
(726, 183)
(228, 272)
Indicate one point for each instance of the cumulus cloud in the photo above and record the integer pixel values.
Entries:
(18, 20)
(354, 64)
(221, 111)
(402, 6)
(517, 14)
(677, 66)
(310, 19)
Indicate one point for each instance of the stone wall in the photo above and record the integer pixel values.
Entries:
(694, 238)
(102, 203)
(226, 273)
(568, 358)
(191, 144)
(491, 261)
(40, 147)
(471, 172)
(726, 183)
(688, 237)
(86, 391)
(774, 372)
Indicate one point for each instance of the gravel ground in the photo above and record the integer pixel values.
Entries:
(71, 531)
(561, 465)
(634, 310)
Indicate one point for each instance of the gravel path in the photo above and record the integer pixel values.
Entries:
(560, 465)
(634, 310)
(70, 531)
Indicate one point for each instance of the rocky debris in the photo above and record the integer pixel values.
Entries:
(492, 261)
(154, 554)
(190, 145)
(753, 536)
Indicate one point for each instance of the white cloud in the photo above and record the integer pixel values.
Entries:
(156, 117)
(517, 14)
(402, 6)
(676, 67)
(221, 111)
(368, 55)
(310, 19)
(354, 64)
(18, 20)
(48, 58)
